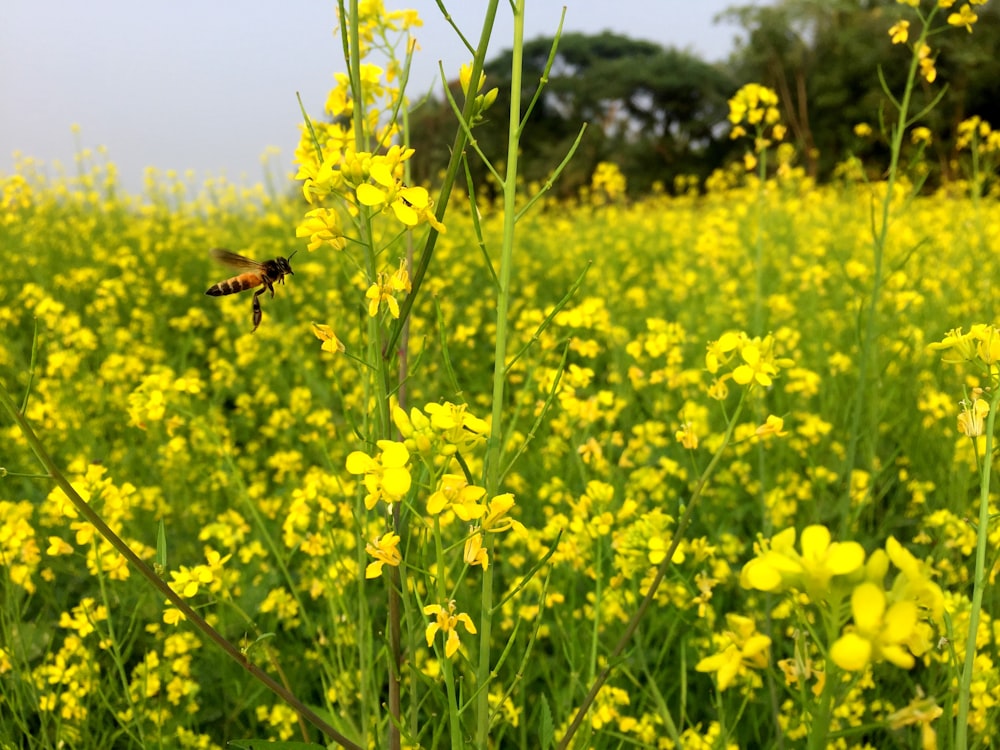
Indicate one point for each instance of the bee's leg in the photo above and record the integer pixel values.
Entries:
(257, 313)
(270, 287)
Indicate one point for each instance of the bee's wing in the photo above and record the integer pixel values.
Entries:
(227, 258)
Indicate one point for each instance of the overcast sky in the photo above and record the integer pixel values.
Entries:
(209, 85)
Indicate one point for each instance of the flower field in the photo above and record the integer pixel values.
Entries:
(729, 485)
(164, 407)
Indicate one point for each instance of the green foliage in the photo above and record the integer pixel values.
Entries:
(655, 112)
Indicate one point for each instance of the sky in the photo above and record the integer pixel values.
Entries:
(210, 85)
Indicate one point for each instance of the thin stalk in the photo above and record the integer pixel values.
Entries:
(979, 582)
(494, 447)
(880, 232)
(451, 173)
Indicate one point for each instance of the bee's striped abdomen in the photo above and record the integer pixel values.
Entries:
(236, 284)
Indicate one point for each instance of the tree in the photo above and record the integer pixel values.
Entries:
(824, 59)
(657, 113)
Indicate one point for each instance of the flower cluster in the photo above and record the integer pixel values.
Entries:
(754, 108)
(748, 362)
(893, 625)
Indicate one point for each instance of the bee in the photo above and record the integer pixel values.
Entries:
(265, 275)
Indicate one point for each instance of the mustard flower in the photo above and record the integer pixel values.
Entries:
(446, 621)
(755, 368)
(385, 290)
(972, 418)
(280, 717)
(773, 426)
(780, 567)
(385, 550)
(474, 552)
(482, 102)
(58, 546)
(456, 493)
(705, 584)
(720, 352)
(497, 519)
(284, 605)
(411, 205)
(899, 32)
(83, 617)
(187, 581)
(465, 78)
(879, 633)
(415, 428)
(608, 181)
(744, 649)
(687, 436)
(914, 582)
(799, 669)
(385, 475)
(322, 227)
(981, 345)
(754, 104)
(330, 341)
(927, 69)
(456, 425)
(965, 17)
(923, 711)
(321, 178)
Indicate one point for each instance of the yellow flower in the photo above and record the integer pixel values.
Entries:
(385, 550)
(322, 226)
(474, 553)
(965, 17)
(385, 290)
(772, 426)
(687, 437)
(330, 341)
(927, 69)
(899, 32)
(456, 493)
(744, 649)
(719, 352)
(981, 343)
(972, 418)
(755, 368)
(496, 519)
(923, 711)
(385, 475)
(446, 621)
(411, 205)
(465, 78)
(779, 567)
(880, 632)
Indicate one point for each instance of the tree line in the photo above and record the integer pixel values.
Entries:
(660, 113)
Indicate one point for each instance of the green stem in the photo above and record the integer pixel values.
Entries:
(494, 447)
(451, 173)
(864, 424)
(979, 582)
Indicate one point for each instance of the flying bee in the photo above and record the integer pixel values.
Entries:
(265, 275)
